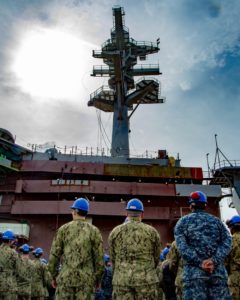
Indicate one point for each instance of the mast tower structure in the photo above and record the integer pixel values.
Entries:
(120, 54)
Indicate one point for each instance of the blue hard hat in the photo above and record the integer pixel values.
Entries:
(25, 248)
(81, 204)
(197, 197)
(235, 220)
(135, 205)
(38, 251)
(164, 253)
(8, 235)
(106, 258)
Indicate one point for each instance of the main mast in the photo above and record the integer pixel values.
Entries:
(120, 54)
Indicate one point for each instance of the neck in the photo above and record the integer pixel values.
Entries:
(77, 217)
(135, 218)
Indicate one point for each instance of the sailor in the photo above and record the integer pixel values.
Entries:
(41, 278)
(233, 259)
(10, 265)
(107, 278)
(78, 246)
(203, 242)
(176, 267)
(24, 280)
(134, 251)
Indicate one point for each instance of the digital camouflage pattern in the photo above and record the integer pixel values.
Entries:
(134, 251)
(198, 289)
(233, 267)
(78, 246)
(145, 292)
(176, 266)
(75, 293)
(200, 236)
(40, 280)
(24, 279)
(10, 265)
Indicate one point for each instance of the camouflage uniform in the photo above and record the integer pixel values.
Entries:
(24, 279)
(233, 267)
(10, 265)
(79, 246)
(200, 236)
(176, 266)
(135, 250)
(40, 280)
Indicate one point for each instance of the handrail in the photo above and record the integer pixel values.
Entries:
(136, 43)
(143, 43)
(227, 163)
(146, 66)
(104, 88)
(100, 67)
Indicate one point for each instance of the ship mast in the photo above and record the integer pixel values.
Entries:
(120, 54)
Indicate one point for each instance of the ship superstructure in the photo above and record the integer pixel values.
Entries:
(37, 189)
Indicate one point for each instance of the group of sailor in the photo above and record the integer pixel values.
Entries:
(203, 262)
(20, 276)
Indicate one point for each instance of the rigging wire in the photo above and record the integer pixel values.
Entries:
(102, 132)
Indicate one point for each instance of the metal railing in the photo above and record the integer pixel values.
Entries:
(227, 163)
(146, 67)
(102, 89)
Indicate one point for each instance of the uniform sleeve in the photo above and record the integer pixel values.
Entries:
(111, 248)
(173, 257)
(228, 260)
(46, 277)
(97, 252)
(157, 247)
(55, 254)
(18, 265)
(187, 252)
(224, 246)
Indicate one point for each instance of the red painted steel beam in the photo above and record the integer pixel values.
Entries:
(62, 166)
(96, 208)
(97, 187)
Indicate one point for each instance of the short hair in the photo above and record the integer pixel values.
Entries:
(134, 213)
(80, 212)
(198, 205)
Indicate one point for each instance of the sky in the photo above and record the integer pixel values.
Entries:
(46, 62)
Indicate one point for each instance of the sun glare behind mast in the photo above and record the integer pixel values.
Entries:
(51, 63)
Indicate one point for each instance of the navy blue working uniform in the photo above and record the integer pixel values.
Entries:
(200, 236)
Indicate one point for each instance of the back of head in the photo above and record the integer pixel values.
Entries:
(106, 258)
(38, 252)
(197, 200)
(134, 207)
(25, 249)
(81, 206)
(234, 223)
